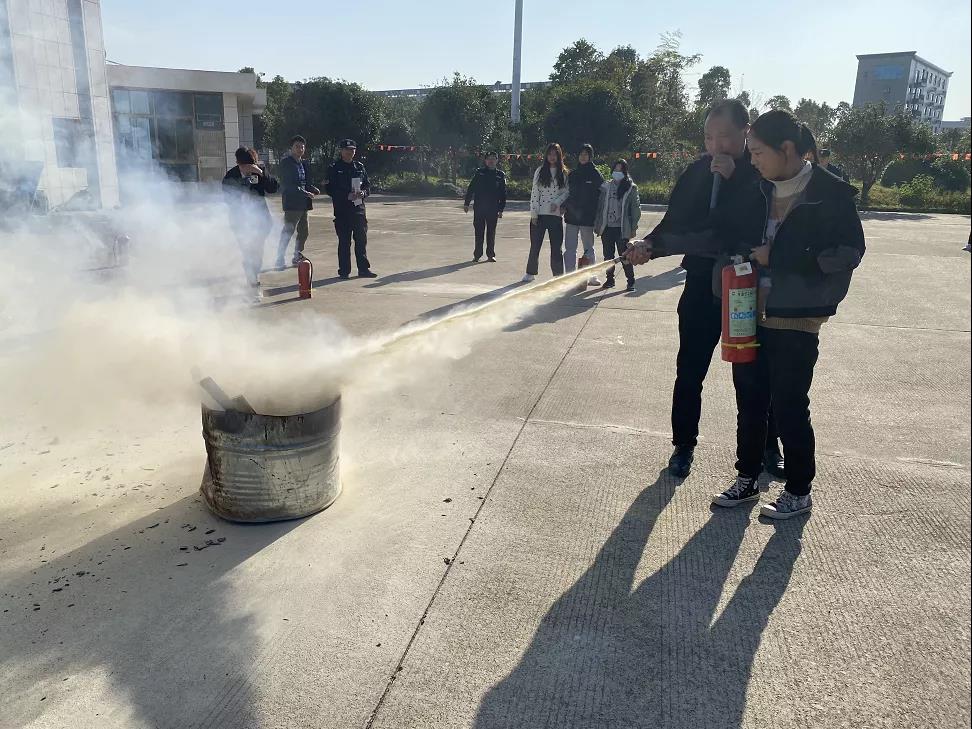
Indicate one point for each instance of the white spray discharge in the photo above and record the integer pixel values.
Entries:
(85, 342)
(88, 347)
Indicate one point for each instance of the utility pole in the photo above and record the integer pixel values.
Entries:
(517, 41)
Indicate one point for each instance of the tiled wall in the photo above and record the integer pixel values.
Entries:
(59, 66)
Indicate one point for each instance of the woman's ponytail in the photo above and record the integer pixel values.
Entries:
(776, 127)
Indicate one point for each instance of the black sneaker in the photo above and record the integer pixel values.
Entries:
(773, 463)
(680, 464)
(742, 491)
(631, 286)
(476, 259)
(344, 276)
(491, 259)
(298, 257)
(609, 284)
(367, 274)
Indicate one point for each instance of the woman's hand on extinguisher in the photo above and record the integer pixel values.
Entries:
(760, 255)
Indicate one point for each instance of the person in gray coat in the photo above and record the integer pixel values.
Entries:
(618, 213)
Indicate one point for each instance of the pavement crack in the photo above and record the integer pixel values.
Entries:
(400, 664)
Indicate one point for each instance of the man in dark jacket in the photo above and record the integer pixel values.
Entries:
(347, 184)
(836, 170)
(297, 196)
(696, 199)
(487, 193)
(584, 189)
(246, 185)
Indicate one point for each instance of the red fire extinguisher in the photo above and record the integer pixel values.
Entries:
(739, 285)
(305, 274)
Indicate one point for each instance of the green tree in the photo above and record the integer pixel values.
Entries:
(619, 67)
(779, 102)
(818, 116)
(593, 112)
(714, 86)
(460, 114)
(326, 111)
(658, 85)
(578, 61)
(272, 121)
(868, 139)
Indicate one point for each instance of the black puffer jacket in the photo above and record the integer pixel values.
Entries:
(814, 252)
(584, 188)
(688, 207)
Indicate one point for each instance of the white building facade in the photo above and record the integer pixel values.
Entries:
(53, 78)
(73, 125)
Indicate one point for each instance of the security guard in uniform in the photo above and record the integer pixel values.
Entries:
(348, 186)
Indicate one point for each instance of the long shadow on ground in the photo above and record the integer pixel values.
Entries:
(406, 276)
(151, 619)
(610, 654)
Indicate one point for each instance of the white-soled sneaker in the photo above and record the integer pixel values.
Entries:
(593, 281)
(529, 278)
(743, 490)
(787, 506)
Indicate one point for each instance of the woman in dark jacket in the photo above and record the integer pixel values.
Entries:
(584, 187)
(807, 239)
(246, 185)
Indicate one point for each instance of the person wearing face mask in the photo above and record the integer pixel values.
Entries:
(807, 239)
(584, 185)
(549, 193)
(707, 189)
(618, 213)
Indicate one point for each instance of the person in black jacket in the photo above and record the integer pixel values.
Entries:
(824, 161)
(297, 197)
(690, 208)
(584, 186)
(245, 186)
(347, 184)
(805, 239)
(487, 192)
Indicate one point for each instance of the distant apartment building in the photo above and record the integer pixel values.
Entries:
(903, 81)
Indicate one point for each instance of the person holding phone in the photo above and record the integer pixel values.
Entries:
(246, 186)
(347, 184)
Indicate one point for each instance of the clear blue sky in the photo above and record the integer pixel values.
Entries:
(794, 48)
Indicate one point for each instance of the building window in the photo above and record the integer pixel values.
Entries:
(209, 111)
(72, 143)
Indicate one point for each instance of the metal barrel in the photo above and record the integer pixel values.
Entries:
(271, 467)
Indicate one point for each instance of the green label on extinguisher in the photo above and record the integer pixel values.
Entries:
(742, 312)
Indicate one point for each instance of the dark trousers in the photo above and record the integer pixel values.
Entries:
(699, 331)
(294, 221)
(612, 241)
(782, 374)
(348, 226)
(484, 225)
(554, 225)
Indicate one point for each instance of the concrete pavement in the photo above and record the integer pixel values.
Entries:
(508, 551)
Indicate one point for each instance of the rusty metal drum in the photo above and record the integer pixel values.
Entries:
(271, 467)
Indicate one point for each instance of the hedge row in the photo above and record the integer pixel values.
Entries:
(921, 193)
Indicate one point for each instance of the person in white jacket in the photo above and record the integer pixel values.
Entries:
(546, 212)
